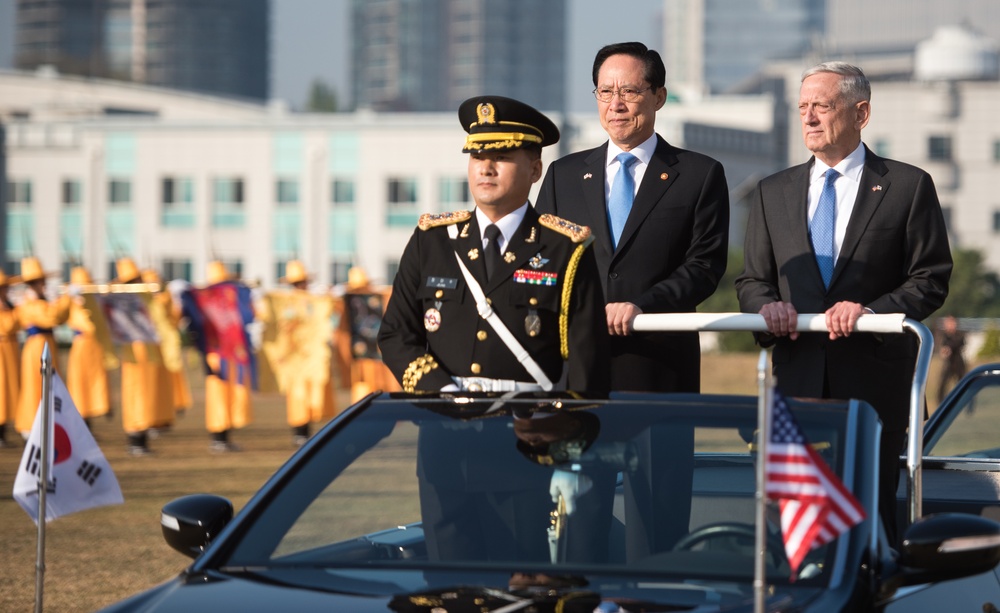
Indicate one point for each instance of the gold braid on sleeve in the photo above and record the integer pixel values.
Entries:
(567, 292)
(416, 370)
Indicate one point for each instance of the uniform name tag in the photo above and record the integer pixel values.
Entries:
(442, 282)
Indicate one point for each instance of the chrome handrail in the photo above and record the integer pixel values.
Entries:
(894, 323)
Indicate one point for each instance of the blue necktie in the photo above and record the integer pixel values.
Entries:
(622, 194)
(822, 226)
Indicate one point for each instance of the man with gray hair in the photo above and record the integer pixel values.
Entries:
(846, 233)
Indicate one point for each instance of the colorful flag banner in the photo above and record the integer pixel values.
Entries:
(79, 476)
(297, 336)
(218, 316)
(815, 505)
(128, 318)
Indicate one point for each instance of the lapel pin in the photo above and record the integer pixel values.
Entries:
(588, 176)
(534, 233)
(473, 254)
(877, 188)
(509, 257)
(465, 231)
(664, 177)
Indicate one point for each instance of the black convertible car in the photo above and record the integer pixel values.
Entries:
(555, 502)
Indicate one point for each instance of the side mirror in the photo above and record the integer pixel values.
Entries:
(190, 523)
(949, 546)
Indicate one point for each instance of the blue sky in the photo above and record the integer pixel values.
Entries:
(310, 39)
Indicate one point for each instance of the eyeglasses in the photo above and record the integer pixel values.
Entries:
(625, 94)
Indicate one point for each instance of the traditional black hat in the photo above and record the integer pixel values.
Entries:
(495, 123)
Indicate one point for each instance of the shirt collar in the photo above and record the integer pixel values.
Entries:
(508, 224)
(644, 151)
(851, 166)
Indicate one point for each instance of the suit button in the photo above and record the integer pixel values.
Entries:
(613, 275)
(481, 335)
(476, 368)
(438, 294)
(533, 301)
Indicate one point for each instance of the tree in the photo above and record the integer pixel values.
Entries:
(322, 98)
(973, 291)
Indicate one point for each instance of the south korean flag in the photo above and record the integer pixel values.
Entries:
(79, 475)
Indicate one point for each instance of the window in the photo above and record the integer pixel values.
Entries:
(881, 147)
(996, 151)
(19, 192)
(339, 270)
(177, 202)
(176, 268)
(453, 190)
(287, 191)
(402, 191)
(996, 221)
(227, 191)
(120, 191)
(939, 148)
(177, 191)
(72, 192)
(342, 191)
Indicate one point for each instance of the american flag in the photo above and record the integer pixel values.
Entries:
(815, 505)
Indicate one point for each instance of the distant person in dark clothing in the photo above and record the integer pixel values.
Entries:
(953, 367)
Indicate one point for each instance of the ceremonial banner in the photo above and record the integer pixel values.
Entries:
(128, 317)
(79, 475)
(297, 336)
(218, 316)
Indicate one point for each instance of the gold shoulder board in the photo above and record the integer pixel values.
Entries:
(432, 220)
(575, 231)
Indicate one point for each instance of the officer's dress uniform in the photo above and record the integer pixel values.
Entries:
(435, 335)
(545, 290)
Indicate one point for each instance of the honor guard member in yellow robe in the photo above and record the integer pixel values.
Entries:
(361, 308)
(305, 403)
(144, 389)
(475, 310)
(497, 299)
(37, 317)
(86, 376)
(172, 366)
(227, 401)
(10, 356)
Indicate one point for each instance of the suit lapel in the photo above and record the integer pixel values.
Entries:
(594, 177)
(795, 196)
(469, 247)
(872, 188)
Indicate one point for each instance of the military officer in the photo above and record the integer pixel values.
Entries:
(498, 298)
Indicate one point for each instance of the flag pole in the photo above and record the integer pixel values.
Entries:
(764, 399)
(43, 476)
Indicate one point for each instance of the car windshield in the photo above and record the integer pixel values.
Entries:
(661, 486)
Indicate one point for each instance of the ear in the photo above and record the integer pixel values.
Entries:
(661, 97)
(863, 112)
(536, 169)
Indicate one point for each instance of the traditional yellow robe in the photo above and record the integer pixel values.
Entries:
(10, 364)
(37, 317)
(227, 402)
(86, 377)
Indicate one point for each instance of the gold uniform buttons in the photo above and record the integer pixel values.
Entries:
(438, 294)
(481, 335)
(533, 301)
(475, 368)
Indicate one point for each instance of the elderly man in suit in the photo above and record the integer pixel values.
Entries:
(846, 233)
(660, 217)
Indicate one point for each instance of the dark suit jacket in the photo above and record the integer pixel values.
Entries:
(670, 258)
(895, 259)
(429, 278)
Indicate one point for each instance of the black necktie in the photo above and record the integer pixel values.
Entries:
(492, 254)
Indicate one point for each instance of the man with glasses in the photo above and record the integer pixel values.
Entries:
(660, 218)
(659, 214)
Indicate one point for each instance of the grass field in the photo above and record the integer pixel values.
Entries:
(97, 557)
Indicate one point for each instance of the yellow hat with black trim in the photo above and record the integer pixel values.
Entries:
(32, 270)
(217, 273)
(80, 276)
(295, 272)
(495, 123)
(126, 271)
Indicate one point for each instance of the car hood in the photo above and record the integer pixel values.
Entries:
(364, 590)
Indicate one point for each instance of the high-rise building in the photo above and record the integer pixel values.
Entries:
(867, 25)
(209, 46)
(430, 55)
(716, 45)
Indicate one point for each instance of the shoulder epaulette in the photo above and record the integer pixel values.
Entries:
(432, 220)
(575, 231)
